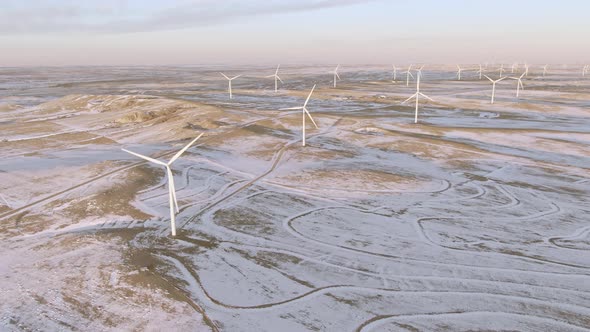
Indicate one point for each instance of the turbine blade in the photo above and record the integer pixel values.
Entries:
(307, 100)
(411, 74)
(179, 153)
(309, 115)
(233, 78)
(280, 79)
(155, 161)
(337, 75)
(224, 76)
(290, 108)
(407, 100)
(491, 80)
(276, 72)
(425, 96)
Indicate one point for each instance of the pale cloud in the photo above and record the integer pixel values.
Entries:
(54, 16)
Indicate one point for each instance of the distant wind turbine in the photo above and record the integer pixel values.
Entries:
(394, 73)
(171, 189)
(229, 80)
(526, 69)
(459, 72)
(304, 112)
(519, 84)
(276, 77)
(408, 74)
(501, 70)
(417, 96)
(419, 71)
(494, 85)
(336, 76)
(545, 70)
(585, 70)
(480, 71)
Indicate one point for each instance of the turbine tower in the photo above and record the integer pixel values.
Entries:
(417, 96)
(171, 189)
(336, 76)
(304, 112)
(519, 84)
(494, 85)
(229, 80)
(395, 73)
(501, 70)
(276, 77)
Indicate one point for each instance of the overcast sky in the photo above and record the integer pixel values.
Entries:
(154, 32)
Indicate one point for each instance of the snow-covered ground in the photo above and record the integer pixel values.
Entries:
(476, 218)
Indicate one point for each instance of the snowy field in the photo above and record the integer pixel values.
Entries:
(475, 219)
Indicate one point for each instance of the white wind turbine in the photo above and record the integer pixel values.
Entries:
(336, 76)
(513, 67)
(171, 189)
(585, 70)
(229, 80)
(545, 70)
(494, 85)
(480, 71)
(501, 70)
(419, 71)
(276, 77)
(408, 74)
(519, 84)
(394, 73)
(417, 96)
(459, 70)
(526, 69)
(304, 112)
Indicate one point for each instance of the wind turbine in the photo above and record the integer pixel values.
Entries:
(526, 69)
(585, 70)
(276, 77)
(459, 72)
(419, 71)
(229, 80)
(480, 71)
(395, 73)
(408, 74)
(519, 84)
(545, 70)
(171, 189)
(417, 96)
(513, 67)
(501, 70)
(304, 112)
(335, 72)
(494, 85)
